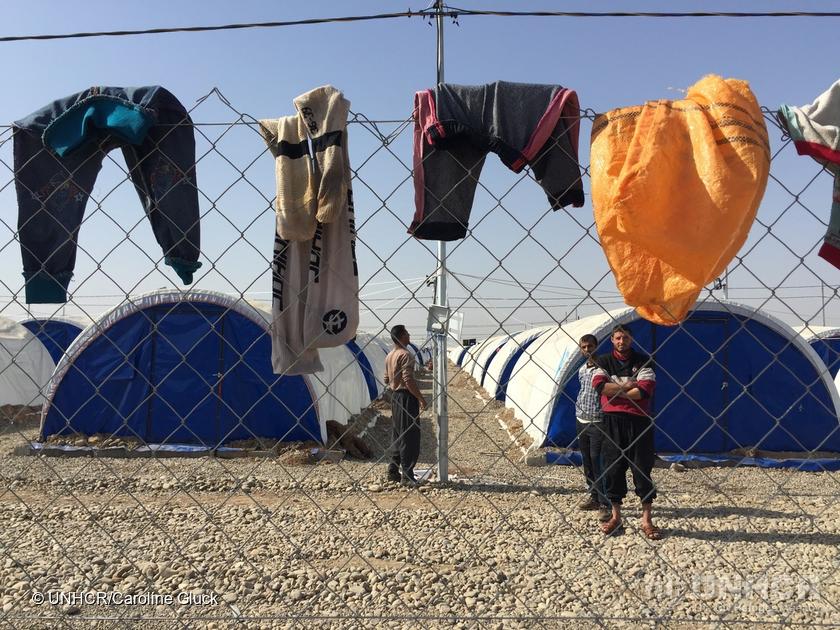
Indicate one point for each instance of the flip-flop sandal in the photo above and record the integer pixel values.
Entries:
(607, 530)
(652, 532)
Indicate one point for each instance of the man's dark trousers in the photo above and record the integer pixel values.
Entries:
(405, 440)
(628, 443)
(590, 438)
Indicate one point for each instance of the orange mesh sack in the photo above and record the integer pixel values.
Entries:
(675, 189)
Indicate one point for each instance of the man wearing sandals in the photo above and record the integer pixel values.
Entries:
(625, 380)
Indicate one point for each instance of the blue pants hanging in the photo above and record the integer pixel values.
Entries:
(58, 152)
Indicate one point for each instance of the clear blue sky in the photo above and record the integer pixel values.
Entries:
(379, 66)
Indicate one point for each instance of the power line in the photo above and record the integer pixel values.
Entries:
(579, 290)
(643, 14)
(450, 12)
(219, 27)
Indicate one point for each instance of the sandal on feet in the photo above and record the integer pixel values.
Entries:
(611, 526)
(652, 532)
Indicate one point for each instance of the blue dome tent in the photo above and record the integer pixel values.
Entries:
(178, 368)
(730, 380)
(56, 333)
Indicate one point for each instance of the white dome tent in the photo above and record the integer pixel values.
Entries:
(459, 355)
(472, 360)
(25, 366)
(502, 366)
(825, 340)
(719, 355)
(383, 342)
(416, 353)
(485, 357)
(455, 352)
(340, 389)
(469, 356)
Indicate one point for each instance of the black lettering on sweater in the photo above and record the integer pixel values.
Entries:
(315, 253)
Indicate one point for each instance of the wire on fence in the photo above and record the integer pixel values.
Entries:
(274, 523)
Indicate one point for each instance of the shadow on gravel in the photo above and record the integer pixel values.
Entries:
(723, 511)
(757, 537)
(511, 488)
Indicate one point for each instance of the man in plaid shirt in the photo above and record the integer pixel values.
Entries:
(589, 430)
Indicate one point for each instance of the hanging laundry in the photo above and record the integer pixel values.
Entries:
(315, 277)
(675, 189)
(302, 199)
(815, 131)
(457, 125)
(58, 152)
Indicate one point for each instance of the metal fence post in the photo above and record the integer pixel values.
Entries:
(441, 407)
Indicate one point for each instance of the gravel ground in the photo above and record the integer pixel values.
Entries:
(331, 545)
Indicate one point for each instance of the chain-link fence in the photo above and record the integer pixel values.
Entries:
(156, 471)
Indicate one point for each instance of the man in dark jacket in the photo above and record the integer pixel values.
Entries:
(626, 381)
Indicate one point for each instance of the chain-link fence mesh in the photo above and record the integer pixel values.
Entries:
(178, 490)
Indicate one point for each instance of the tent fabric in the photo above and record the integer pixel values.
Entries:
(376, 350)
(825, 340)
(56, 333)
(25, 366)
(489, 356)
(341, 389)
(385, 343)
(729, 377)
(418, 355)
(457, 354)
(467, 357)
(347, 383)
(573, 458)
(499, 372)
(174, 367)
(479, 355)
(371, 362)
(815, 464)
(461, 355)
(427, 354)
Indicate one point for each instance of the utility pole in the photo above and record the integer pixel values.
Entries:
(441, 403)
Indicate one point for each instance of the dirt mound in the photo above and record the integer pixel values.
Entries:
(347, 439)
(19, 415)
(515, 428)
(462, 379)
(98, 440)
(298, 453)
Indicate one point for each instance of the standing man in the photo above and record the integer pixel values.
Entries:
(589, 430)
(406, 404)
(625, 380)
